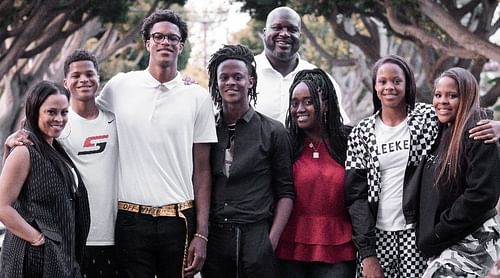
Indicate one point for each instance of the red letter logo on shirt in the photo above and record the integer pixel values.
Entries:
(88, 143)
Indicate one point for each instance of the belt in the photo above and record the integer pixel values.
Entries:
(167, 210)
(173, 210)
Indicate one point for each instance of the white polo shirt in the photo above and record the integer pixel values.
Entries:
(273, 89)
(157, 124)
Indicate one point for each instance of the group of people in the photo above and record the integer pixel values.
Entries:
(145, 180)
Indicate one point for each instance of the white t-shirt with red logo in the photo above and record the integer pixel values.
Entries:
(93, 147)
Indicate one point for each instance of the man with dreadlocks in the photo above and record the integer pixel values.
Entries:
(252, 190)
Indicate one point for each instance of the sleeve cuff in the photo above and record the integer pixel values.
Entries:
(366, 252)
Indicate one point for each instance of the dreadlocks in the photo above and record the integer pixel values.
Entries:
(238, 52)
(333, 132)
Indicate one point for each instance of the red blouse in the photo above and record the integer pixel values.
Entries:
(319, 228)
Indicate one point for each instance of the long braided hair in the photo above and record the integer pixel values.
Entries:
(238, 52)
(333, 132)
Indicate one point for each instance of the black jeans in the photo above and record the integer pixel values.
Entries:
(99, 262)
(147, 246)
(239, 251)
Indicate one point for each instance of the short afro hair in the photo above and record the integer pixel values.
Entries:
(80, 55)
(160, 16)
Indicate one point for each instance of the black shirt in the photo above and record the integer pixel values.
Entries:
(260, 172)
(449, 213)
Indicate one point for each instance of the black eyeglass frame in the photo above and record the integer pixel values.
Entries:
(172, 39)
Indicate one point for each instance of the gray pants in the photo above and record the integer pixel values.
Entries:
(471, 257)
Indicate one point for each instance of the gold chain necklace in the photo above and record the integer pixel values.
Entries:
(315, 149)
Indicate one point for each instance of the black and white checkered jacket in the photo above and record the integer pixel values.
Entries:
(362, 187)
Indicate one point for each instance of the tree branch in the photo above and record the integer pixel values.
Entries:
(467, 8)
(330, 58)
(127, 38)
(459, 33)
(14, 26)
(372, 52)
(55, 36)
(493, 28)
(491, 97)
(35, 26)
(424, 37)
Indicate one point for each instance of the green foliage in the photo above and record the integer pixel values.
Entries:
(183, 58)
(250, 36)
(325, 37)
(117, 11)
(258, 9)
(111, 10)
(9, 14)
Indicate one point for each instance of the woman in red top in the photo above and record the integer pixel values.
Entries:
(317, 241)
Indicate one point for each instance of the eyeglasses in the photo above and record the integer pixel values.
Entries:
(171, 38)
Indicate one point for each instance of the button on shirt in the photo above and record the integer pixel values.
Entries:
(260, 172)
(157, 125)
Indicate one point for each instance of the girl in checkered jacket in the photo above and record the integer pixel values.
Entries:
(383, 152)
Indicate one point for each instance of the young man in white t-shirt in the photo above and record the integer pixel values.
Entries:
(90, 140)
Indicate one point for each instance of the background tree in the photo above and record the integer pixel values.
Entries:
(432, 36)
(36, 36)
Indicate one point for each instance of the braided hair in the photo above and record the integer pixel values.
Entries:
(333, 132)
(238, 52)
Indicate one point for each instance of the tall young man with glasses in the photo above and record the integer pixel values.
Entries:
(164, 132)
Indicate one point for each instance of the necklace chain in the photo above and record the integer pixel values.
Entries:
(315, 149)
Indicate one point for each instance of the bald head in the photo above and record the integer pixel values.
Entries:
(282, 12)
(282, 38)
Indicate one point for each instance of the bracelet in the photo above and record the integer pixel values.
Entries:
(201, 236)
(39, 241)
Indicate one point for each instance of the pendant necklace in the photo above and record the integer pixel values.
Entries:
(315, 149)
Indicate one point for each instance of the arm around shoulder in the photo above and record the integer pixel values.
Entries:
(486, 130)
